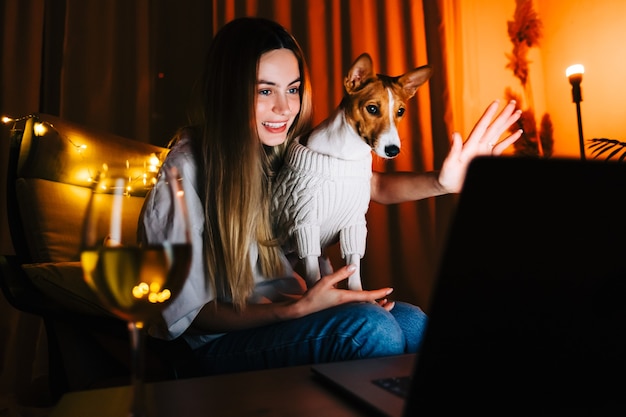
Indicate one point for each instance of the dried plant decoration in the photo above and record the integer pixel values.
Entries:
(525, 32)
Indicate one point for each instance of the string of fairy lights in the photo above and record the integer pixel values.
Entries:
(146, 177)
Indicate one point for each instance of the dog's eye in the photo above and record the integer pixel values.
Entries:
(400, 112)
(372, 109)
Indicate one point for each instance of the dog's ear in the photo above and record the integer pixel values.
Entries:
(361, 70)
(413, 79)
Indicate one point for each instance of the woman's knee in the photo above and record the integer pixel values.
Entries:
(373, 330)
(412, 320)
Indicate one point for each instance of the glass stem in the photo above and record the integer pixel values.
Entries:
(137, 367)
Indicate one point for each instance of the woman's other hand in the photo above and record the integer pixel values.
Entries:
(483, 140)
(325, 294)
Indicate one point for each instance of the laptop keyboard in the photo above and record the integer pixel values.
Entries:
(396, 385)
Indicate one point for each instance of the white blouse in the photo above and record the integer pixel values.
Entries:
(154, 227)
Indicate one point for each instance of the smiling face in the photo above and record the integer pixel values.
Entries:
(278, 95)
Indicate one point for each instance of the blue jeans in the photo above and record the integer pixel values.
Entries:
(351, 331)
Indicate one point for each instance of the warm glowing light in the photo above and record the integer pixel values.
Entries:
(40, 129)
(140, 290)
(7, 119)
(80, 148)
(574, 69)
(152, 292)
(164, 295)
(154, 160)
(147, 178)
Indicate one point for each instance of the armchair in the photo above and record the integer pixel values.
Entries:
(50, 165)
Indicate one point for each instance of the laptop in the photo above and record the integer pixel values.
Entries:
(528, 312)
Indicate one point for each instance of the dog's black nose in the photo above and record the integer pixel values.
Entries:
(392, 150)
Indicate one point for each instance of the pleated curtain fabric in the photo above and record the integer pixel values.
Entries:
(129, 67)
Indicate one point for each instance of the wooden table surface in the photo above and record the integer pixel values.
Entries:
(292, 391)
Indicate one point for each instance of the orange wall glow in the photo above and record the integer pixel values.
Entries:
(588, 32)
(591, 33)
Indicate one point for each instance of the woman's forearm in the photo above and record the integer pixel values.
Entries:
(219, 317)
(399, 187)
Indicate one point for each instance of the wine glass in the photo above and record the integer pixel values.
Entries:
(134, 281)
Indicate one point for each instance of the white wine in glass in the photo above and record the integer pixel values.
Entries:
(135, 282)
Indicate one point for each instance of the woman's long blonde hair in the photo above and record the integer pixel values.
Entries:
(236, 169)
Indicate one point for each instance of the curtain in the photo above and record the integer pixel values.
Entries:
(404, 240)
(128, 67)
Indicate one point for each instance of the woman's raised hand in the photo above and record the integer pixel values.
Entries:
(483, 140)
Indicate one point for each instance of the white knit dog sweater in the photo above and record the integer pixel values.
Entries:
(318, 198)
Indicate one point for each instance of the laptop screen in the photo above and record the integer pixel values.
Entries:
(528, 314)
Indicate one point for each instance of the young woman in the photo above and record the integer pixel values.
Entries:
(243, 307)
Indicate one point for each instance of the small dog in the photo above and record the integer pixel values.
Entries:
(322, 192)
